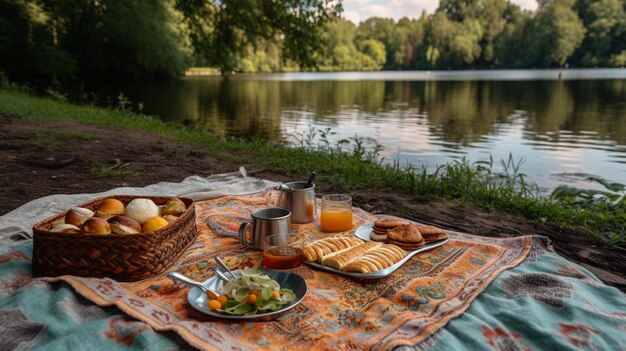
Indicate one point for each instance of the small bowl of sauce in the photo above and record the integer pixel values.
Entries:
(282, 251)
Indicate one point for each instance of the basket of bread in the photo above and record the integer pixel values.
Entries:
(123, 237)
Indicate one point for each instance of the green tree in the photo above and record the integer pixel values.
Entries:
(373, 54)
(458, 10)
(479, 25)
(232, 25)
(339, 49)
(86, 37)
(619, 59)
(406, 42)
(339, 52)
(344, 52)
(605, 20)
(554, 34)
(157, 37)
(441, 31)
(27, 46)
(381, 29)
(493, 20)
(508, 51)
(465, 46)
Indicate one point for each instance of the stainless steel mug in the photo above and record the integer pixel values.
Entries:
(265, 222)
(298, 198)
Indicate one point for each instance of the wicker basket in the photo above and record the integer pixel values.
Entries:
(120, 257)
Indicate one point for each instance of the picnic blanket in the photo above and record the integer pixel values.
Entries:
(459, 296)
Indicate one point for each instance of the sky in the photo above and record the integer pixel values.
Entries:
(360, 10)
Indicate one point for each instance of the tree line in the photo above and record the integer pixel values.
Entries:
(463, 34)
(154, 38)
(146, 38)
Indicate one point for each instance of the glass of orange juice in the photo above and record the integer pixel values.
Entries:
(336, 213)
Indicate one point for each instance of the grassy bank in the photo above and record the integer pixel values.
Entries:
(353, 166)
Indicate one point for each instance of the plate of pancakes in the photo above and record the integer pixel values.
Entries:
(406, 235)
(377, 251)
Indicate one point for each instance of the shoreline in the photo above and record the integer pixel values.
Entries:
(36, 132)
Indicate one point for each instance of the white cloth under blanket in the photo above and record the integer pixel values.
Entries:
(16, 226)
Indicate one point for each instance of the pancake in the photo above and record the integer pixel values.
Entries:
(378, 237)
(431, 233)
(406, 233)
(388, 223)
(380, 231)
(413, 246)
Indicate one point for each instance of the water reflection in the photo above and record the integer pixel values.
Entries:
(556, 125)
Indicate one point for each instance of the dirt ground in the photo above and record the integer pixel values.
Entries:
(39, 159)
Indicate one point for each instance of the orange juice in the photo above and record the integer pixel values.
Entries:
(336, 219)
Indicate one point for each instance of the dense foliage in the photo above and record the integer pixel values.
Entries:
(63, 38)
(465, 34)
(70, 38)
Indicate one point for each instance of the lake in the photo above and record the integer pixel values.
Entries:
(558, 122)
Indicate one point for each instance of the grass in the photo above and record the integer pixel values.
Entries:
(44, 140)
(104, 171)
(75, 134)
(49, 139)
(354, 164)
(203, 71)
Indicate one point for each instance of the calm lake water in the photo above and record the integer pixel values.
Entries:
(576, 124)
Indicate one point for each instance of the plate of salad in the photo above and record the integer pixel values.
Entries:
(256, 294)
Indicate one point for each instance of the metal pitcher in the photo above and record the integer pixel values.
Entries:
(300, 200)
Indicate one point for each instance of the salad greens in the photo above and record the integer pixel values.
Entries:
(256, 283)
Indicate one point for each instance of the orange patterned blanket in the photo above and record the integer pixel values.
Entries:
(338, 312)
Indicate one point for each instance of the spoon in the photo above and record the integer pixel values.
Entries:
(220, 274)
(284, 187)
(309, 183)
(189, 281)
(223, 265)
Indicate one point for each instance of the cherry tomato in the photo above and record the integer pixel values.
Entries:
(211, 295)
(222, 299)
(251, 299)
(214, 305)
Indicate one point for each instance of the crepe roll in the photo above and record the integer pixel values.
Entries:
(381, 256)
(339, 260)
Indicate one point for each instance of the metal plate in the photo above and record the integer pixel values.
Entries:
(363, 232)
(198, 299)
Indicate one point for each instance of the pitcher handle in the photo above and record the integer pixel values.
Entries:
(242, 234)
(279, 199)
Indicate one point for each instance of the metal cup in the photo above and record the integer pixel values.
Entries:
(300, 200)
(265, 222)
